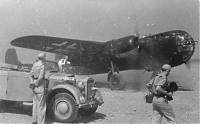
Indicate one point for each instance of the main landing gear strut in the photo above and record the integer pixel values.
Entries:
(114, 78)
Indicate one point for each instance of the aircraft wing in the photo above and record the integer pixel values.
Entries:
(54, 45)
(76, 50)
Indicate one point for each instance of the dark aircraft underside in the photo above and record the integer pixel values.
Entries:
(131, 52)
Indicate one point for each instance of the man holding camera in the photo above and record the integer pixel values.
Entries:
(161, 106)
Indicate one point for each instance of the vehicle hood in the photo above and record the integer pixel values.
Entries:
(65, 77)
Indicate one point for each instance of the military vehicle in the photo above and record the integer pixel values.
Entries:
(67, 95)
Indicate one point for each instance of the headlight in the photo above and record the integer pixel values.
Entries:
(82, 99)
(80, 85)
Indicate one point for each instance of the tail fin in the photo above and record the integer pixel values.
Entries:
(11, 57)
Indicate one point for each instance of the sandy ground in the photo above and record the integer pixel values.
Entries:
(123, 107)
(128, 106)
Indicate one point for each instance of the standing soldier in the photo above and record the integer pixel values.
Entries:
(63, 64)
(38, 87)
(161, 106)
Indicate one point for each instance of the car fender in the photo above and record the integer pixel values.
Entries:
(73, 90)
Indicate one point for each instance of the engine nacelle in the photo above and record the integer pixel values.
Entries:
(123, 44)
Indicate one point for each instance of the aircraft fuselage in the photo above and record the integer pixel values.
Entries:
(131, 52)
(150, 52)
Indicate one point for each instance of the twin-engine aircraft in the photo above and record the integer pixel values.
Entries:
(131, 52)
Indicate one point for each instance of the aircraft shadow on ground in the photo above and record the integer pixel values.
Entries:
(102, 84)
(185, 89)
(134, 86)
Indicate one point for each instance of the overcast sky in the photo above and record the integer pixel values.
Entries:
(97, 20)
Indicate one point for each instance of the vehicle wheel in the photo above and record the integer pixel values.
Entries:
(115, 82)
(87, 111)
(65, 108)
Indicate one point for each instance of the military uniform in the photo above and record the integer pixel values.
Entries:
(39, 104)
(161, 107)
(63, 65)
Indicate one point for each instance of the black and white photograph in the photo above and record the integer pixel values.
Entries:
(99, 62)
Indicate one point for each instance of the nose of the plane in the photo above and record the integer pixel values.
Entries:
(185, 46)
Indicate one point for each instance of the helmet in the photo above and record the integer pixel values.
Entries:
(66, 57)
(41, 55)
(166, 67)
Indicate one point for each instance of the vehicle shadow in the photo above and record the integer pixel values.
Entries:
(19, 108)
(84, 119)
(15, 107)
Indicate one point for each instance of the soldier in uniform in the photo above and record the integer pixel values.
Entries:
(161, 106)
(38, 87)
(63, 64)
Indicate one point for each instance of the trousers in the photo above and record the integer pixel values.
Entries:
(39, 108)
(161, 108)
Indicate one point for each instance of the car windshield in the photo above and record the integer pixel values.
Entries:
(51, 66)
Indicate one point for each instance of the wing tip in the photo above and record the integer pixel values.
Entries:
(21, 40)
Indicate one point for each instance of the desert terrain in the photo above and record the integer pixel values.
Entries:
(128, 105)
(123, 107)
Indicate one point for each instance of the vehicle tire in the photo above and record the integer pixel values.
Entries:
(87, 111)
(115, 82)
(65, 108)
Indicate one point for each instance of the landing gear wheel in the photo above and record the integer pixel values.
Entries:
(87, 111)
(115, 82)
(65, 108)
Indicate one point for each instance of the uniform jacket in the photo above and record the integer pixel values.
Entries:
(37, 76)
(160, 79)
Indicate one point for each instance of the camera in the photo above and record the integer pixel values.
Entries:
(170, 87)
(169, 98)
